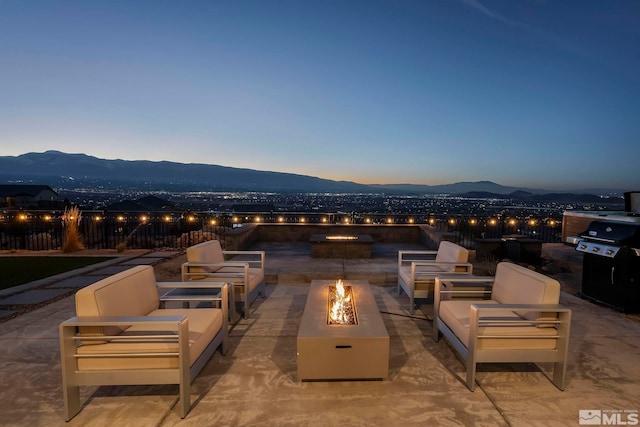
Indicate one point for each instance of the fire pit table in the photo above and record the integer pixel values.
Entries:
(341, 246)
(342, 342)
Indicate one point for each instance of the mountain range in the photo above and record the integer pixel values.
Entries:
(59, 169)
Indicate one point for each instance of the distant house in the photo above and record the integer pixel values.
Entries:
(27, 196)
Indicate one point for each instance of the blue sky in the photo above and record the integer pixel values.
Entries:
(535, 93)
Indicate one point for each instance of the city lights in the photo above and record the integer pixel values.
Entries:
(468, 220)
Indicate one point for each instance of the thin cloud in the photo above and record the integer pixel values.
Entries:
(488, 12)
(551, 39)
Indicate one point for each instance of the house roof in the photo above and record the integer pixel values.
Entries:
(13, 190)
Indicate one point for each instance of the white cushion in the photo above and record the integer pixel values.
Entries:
(450, 252)
(107, 297)
(515, 284)
(209, 252)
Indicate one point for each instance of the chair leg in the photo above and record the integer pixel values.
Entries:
(71, 401)
(435, 332)
(471, 373)
(185, 372)
(560, 374)
(70, 389)
(185, 398)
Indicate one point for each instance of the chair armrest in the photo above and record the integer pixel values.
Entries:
(180, 324)
(450, 283)
(443, 263)
(238, 264)
(561, 324)
(255, 263)
(416, 264)
(404, 257)
(70, 339)
(212, 274)
(555, 308)
(123, 320)
(477, 309)
(460, 280)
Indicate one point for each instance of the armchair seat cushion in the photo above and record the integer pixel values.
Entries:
(204, 325)
(256, 276)
(234, 275)
(455, 313)
(425, 275)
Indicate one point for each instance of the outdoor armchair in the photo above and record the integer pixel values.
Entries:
(519, 321)
(417, 269)
(207, 261)
(121, 336)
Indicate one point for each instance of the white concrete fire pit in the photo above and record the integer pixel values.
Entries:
(346, 342)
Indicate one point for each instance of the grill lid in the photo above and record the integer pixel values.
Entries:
(612, 232)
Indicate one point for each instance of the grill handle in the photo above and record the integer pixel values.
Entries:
(613, 272)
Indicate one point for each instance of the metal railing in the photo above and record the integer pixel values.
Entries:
(40, 230)
(37, 230)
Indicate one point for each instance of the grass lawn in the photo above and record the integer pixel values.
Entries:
(16, 270)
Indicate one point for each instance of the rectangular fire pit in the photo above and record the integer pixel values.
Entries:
(358, 350)
(341, 246)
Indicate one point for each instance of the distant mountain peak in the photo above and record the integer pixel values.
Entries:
(48, 168)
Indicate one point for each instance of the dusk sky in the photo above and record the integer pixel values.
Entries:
(534, 93)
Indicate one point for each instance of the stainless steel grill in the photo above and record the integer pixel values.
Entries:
(611, 264)
(607, 238)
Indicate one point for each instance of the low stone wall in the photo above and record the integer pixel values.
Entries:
(303, 232)
(243, 237)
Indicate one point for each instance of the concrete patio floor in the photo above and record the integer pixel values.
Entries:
(256, 383)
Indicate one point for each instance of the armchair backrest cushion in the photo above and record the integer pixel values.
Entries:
(450, 252)
(205, 252)
(132, 292)
(515, 284)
